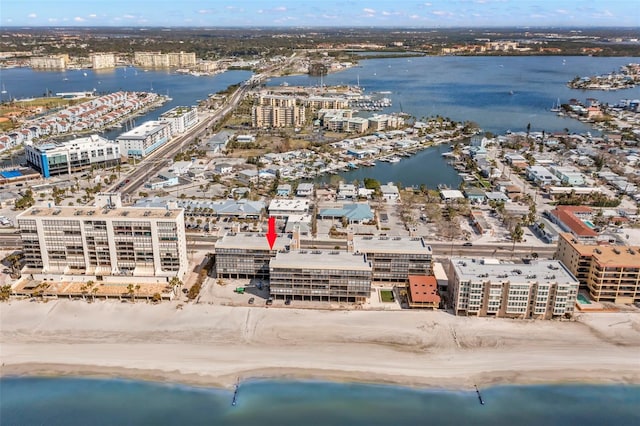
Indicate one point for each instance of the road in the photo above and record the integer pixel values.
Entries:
(151, 165)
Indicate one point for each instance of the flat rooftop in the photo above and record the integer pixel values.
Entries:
(541, 271)
(413, 245)
(607, 255)
(251, 241)
(318, 259)
(296, 204)
(143, 130)
(75, 213)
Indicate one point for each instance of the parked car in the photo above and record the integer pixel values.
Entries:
(468, 244)
(287, 302)
(251, 300)
(269, 302)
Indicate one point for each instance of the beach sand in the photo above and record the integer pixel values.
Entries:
(212, 345)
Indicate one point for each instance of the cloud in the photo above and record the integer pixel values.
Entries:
(205, 11)
(441, 13)
(32, 15)
(279, 9)
(369, 13)
(428, 4)
(562, 11)
(79, 19)
(93, 15)
(128, 16)
(52, 19)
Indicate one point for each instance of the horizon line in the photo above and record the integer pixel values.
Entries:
(573, 27)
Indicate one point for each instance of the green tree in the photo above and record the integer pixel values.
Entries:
(516, 236)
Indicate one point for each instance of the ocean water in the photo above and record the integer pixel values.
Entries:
(73, 401)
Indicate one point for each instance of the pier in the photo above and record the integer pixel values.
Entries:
(479, 395)
(235, 393)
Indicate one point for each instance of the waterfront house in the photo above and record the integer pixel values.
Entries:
(305, 189)
(347, 191)
(358, 213)
(475, 195)
(390, 192)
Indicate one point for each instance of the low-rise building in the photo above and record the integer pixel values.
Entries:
(282, 208)
(304, 189)
(246, 255)
(542, 289)
(576, 220)
(333, 276)
(350, 212)
(423, 292)
(394, 258)
(390, 192)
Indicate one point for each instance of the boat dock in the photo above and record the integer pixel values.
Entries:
(479, 395)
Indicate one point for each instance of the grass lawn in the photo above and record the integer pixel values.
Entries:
(387, 296)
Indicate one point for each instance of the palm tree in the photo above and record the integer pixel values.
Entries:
(83, 290)
(137, 290)
(516, 236)
(93, 293)
(130, 290)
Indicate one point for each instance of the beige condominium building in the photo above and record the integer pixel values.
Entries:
(541, 289)
(246, 255)
(103, 60)
(106, 243)
(316, 275)
(609, 273)
(164, 60)
(394, 258)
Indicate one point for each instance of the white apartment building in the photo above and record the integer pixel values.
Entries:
(107, 243)
(103, 60)
(542, 289)
(57, 158)
(144, 139)
(180, 119)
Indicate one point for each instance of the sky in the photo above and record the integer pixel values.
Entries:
(321, 13)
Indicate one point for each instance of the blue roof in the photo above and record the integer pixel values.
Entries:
(8, 174)
(355, 212)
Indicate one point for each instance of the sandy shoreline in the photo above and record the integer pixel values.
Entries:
(212, 346)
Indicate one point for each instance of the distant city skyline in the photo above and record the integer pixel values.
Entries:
(321, 13)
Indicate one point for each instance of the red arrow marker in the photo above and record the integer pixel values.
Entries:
(271, 234)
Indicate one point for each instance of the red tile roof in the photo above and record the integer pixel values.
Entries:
(424, 289)
(566, 214)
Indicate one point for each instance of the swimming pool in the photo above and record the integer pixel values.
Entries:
(583, 300)
(589, 224)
